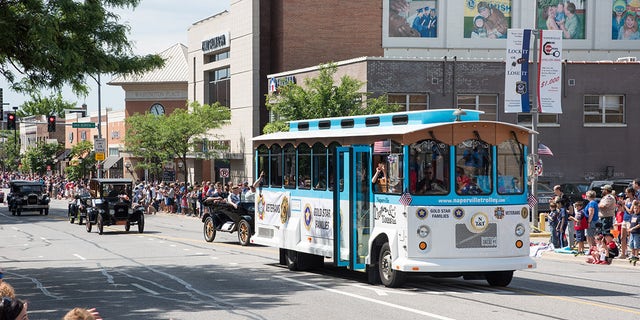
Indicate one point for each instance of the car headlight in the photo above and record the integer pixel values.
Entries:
(423, 231)
(520, 230)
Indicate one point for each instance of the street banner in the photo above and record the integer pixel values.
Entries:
(550, 71)
(516, 80)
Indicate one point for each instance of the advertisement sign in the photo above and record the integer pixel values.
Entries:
(564, 15)
(413, 19)
(487, 19)
(550, 71)
(516, 80)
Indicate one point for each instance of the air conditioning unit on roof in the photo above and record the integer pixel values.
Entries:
(627, 59)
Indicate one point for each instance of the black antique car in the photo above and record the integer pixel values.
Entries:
(110, 204)
(225, 218)
(27, 196)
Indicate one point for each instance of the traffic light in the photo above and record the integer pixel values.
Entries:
(11, 121)
(51, 124)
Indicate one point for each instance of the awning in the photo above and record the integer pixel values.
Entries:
(64, 155)
(110, 161)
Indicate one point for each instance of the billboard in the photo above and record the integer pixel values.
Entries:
(413, 19)
(566, 16)
(487, 19)
(624, 20)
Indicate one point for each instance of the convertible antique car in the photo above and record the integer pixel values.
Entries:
(110, 204)
(225, 218)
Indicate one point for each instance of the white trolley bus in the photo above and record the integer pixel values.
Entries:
(450, 198)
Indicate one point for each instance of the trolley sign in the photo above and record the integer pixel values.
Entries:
(224, 172)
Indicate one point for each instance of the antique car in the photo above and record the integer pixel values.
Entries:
(110, 204)
(225, 218)
(27, 196)
(77, 210)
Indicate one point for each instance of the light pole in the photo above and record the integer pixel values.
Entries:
(15, 132)
(97, 79)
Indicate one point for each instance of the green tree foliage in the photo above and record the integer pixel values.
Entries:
(9, 150)
(320, 97)
(162, 138)
(53, 105)
(49, 44)
(38, 157)
(82, 161)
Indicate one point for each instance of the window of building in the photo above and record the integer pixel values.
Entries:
(606, 109)
(481, 102)
(524, 119)
(114, 152)
(83, 136)
(220, 87)
(410, 101)
(217, 56)
(115, 134)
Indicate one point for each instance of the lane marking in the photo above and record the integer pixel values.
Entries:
(576, 300)
(384, 303)
(145, 289)
(79, 256)
(383, 292)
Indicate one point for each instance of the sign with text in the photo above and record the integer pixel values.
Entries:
(516, 79)
(99, 156)
(89, 125)
(550, 71)
(100, 145)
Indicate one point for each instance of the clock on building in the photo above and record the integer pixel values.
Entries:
(157, 109)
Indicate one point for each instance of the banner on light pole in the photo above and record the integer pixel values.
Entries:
(550, 72)
(516, 80)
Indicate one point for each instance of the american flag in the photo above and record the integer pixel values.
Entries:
(405, 199)
(383, 146)
(544, 150)
(532, 200)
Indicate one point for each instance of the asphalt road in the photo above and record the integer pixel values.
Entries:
(170, 272)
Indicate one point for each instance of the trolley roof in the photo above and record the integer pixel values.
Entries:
(404, 127)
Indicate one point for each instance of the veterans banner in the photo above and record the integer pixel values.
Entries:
(273, 208)
(550, 72)
(516, 79)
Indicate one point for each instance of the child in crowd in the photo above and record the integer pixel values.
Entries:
(581, 224)
(563, 217)
(611, 247)
(598, 252)
(553, 223)
(634, 231)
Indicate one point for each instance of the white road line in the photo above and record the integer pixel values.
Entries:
(382, 292)
(384, 303)
(145, 289)
(79, 256)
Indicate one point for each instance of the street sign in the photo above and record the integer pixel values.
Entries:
(83, 125)
(100, 145)
(99, 156)
(224, 172)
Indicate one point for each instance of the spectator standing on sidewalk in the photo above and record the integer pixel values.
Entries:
(591, 211)
(565, 202)
(634, 231)
(563, 218)
(607, 208)
(553, 223)
(581, 223)
(626, 219)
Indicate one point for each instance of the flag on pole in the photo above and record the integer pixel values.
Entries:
(544, 150)
(532, 200)
(405, 199)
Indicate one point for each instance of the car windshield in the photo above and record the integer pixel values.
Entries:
(544, 188)
(31, 189)
(582, 187)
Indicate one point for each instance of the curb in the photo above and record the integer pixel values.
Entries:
(550, 255)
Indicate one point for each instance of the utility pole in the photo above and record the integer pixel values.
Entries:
(534, 126)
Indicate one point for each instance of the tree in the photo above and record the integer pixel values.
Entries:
(49, 44)
(321, 98)
(9, 150)
(53, 105)
(175, 135)
(82, 161)
(38, 157)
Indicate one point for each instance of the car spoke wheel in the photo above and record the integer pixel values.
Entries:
(388, 276)
(208, 230)
(244, 232)
(100, 225)
(141, 223)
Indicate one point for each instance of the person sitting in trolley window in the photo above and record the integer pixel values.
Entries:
(379, 179)
(429, 183)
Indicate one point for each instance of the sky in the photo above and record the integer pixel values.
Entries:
(156, 25)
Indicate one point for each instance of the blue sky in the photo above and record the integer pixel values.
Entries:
(155, 26)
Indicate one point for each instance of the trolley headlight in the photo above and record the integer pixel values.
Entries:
(423, 231)
(520, 230)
